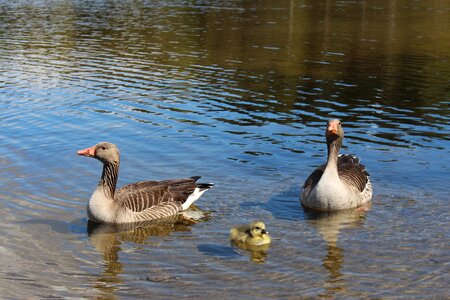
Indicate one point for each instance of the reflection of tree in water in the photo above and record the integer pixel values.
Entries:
(329, 224)
(107, 238)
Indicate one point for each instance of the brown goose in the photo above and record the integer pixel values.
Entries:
(137, 202)
(342, 182)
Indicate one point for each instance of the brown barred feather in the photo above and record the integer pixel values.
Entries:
(352, 172)
(143, 195)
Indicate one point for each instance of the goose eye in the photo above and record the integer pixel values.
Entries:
(257, 228)
(103, 148)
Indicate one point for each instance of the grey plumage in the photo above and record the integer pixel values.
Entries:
(342, 182)
(140, 201)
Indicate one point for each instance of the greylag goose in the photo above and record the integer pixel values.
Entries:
(341, 183)
(254, 234)
(137, 202)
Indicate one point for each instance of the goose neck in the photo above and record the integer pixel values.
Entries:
(333, 152)
(108, 181)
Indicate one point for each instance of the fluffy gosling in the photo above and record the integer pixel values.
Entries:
(254, 234)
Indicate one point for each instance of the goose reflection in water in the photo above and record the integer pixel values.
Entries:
(329, 224)
(107, 239)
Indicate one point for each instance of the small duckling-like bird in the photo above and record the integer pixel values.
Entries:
(341, 183)
(140, 201)
(254, 234)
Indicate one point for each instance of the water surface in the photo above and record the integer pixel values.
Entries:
(239, 93)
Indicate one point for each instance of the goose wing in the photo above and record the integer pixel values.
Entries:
(144, 195)
(352, 172)
(313, 179)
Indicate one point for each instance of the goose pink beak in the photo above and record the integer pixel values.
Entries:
(333, 127)
(332, 130)
(89, 152)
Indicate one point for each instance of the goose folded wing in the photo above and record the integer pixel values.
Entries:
(313, 179)
(148, 194)
(149, 183)
(354, 175)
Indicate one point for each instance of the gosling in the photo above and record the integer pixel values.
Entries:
(254, 234)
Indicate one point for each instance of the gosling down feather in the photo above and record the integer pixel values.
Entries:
(137, 202)
(341, 183)
(254, 234)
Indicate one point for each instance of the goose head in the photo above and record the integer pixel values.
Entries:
(258, 229)
(104, 152)
(334, 131)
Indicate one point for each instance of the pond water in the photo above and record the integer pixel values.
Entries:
(238, 92)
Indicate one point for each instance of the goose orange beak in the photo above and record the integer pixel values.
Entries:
(89, 152)
(333, 127)
(332, 130)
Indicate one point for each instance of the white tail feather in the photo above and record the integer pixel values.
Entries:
(193, 197)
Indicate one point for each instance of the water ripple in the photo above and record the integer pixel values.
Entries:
(238, 93)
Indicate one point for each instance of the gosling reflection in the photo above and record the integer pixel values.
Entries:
(329, 224)
(108, 238)
(257, 254)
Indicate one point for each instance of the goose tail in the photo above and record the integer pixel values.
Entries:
(197, 193)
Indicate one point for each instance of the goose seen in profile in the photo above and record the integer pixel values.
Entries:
(136, 202)
(341, 183)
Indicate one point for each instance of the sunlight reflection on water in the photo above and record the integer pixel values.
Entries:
(237, 93)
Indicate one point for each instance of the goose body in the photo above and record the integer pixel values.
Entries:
(341, 183)
(136, 202)
(254, 234)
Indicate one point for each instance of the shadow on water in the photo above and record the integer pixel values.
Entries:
(75, 226)
(284, 206)
(218, 251)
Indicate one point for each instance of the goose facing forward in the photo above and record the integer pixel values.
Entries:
(140, 201)
(341, 183)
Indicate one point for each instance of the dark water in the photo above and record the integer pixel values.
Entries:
(238, 92)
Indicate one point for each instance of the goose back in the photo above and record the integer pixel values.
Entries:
(146, 194)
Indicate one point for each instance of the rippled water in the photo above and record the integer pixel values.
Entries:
(239, 93)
